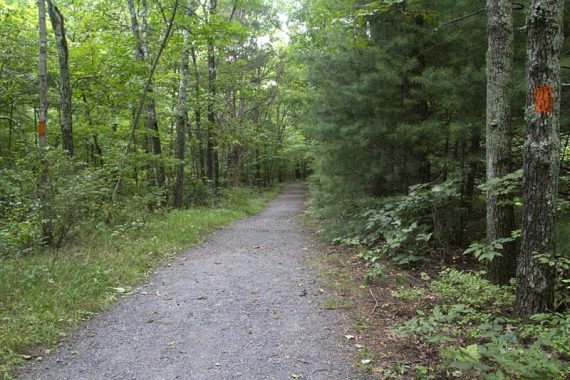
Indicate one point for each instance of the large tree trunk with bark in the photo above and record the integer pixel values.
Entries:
(500, 210)
(541, 156)
(57, 22)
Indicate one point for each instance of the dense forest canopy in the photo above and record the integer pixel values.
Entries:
(412, 123)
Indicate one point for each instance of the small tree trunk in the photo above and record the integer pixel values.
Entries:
(66, 120)
(541, 156)
(97, 152)
(500, 212)
(212, 170)
(234, 162)
(44, 192)
(182, 118)
(210, 143)
(10, 128)
(153, 140)
(198, 117)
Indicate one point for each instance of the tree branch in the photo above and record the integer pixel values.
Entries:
(460, 19)
(10, 119)
(234, 8)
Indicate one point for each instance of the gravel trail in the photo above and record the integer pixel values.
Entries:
(242, 305)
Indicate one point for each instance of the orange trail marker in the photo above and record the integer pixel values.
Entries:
(42, 128)
(543, 99)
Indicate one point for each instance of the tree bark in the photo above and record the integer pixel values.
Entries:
(500, 211)
(66, 120)
(198, 116)
(182, 117)
(44, 191)
(541, 156)
(212, 171)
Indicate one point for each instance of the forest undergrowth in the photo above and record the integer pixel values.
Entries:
(423, 314)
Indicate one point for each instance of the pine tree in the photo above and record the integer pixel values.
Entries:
(535, 281)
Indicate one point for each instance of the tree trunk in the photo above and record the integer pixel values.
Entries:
(541, 156)
(96, 153)
(198, 117)
(182, 118)
(153, 139)
(234, 163)
(212, 170)
(500, 211)
(44, 187)
(10, 128)
(66, 120)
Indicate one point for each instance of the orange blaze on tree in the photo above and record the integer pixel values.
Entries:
(42, 128)
(543, 99)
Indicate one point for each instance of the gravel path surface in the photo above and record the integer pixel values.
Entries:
(242, 305)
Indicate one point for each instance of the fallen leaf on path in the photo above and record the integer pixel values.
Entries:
(297, 376)
(173, 343)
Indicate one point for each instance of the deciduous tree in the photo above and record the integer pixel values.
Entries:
(500, 209)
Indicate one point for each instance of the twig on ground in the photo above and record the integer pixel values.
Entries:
(376, 304)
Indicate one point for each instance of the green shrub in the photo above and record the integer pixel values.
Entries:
(473, 331)
(405, 228)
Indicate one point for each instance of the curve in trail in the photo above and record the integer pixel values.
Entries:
(242, 305)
